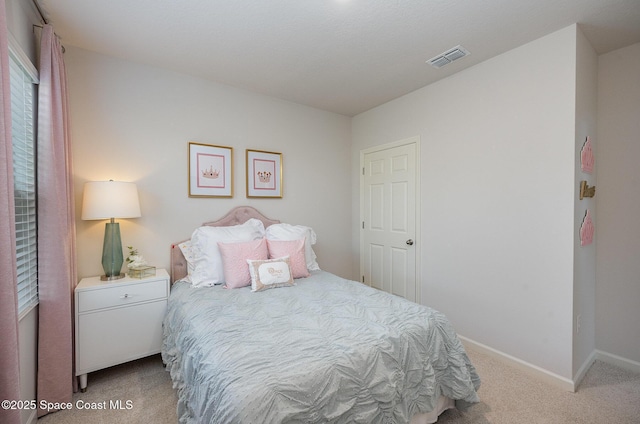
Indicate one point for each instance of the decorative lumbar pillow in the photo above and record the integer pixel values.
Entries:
(284, 231)
(234, 261)
(294, 249)
(208, 269)
(270, 274)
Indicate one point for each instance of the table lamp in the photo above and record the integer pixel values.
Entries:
(110, 200)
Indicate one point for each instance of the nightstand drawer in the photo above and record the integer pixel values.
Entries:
(121, 295)
(117, 335)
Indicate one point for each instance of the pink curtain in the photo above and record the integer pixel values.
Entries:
(9, 359)
(56, 229)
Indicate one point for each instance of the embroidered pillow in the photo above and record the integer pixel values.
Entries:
(270, 274)
(234, 261)
(294, 249)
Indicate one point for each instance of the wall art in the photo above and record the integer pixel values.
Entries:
(264, 174)
(587, 158)
(587, 230)
(210, 170)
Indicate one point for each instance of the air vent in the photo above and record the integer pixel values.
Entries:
(448, 57)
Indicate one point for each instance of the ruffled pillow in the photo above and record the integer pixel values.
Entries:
(285, 231)
(208, 268)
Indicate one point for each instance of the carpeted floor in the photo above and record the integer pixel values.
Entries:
(143, 389)
(607, 395)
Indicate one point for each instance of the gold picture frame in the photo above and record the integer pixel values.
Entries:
(210, 170)
(264, 174)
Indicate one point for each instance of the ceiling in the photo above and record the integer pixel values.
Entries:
(344, 56)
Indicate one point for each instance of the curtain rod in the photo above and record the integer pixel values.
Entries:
(35, 3)
(57, 36)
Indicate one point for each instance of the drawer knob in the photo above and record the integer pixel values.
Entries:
(126, 295)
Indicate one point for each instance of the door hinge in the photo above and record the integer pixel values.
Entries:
(363, 225)
(363, 278)
(363, 171)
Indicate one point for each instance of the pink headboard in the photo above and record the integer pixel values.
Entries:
(237, 215)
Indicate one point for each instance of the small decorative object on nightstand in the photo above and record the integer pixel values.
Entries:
(142, 271)
(137, 266)
(118, 321)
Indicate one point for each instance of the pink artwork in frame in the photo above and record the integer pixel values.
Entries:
(210, 170)
(587, 230)
(264, 174)
(587, 158)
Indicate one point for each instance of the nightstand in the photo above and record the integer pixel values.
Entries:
(118, 321)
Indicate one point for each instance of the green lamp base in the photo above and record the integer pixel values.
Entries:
(112, 258)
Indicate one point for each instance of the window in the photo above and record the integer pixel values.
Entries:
(23, 78)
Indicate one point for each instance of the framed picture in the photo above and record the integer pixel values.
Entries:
(264, 174)
(210, 170)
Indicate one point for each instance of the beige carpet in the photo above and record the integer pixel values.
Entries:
(144, 383)
(607, 395)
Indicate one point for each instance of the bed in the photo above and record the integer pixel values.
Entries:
(319, 349)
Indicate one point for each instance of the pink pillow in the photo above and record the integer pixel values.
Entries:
(295, 250)
(234, 261)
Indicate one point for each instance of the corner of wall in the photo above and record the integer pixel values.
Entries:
(585, 246)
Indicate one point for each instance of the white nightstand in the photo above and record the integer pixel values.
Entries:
(118, 321)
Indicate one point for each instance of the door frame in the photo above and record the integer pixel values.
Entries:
(418, 242)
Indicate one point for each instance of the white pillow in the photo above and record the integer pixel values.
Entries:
(295, 232)
(208, 269)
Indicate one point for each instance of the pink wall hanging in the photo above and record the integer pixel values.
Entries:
(586, 157)
(586, 230)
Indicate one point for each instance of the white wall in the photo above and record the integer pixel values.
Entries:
(28, 345)
(497, 180)
(618, 204)
(132, 122)
(21, 15)
(585, 256)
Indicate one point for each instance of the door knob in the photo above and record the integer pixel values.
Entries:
(410, 242)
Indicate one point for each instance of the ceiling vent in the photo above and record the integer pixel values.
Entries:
(448, 57)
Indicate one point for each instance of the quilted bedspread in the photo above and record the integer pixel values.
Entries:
(327, 350)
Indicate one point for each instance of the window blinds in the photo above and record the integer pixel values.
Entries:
(23, 93)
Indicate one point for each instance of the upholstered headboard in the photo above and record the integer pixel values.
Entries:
(237, 215)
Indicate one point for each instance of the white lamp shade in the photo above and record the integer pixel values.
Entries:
(110, 199)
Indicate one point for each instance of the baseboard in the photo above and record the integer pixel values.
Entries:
(583, 370)
(533, 370)
(618, 361)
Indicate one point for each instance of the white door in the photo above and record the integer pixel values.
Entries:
(389, 218)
